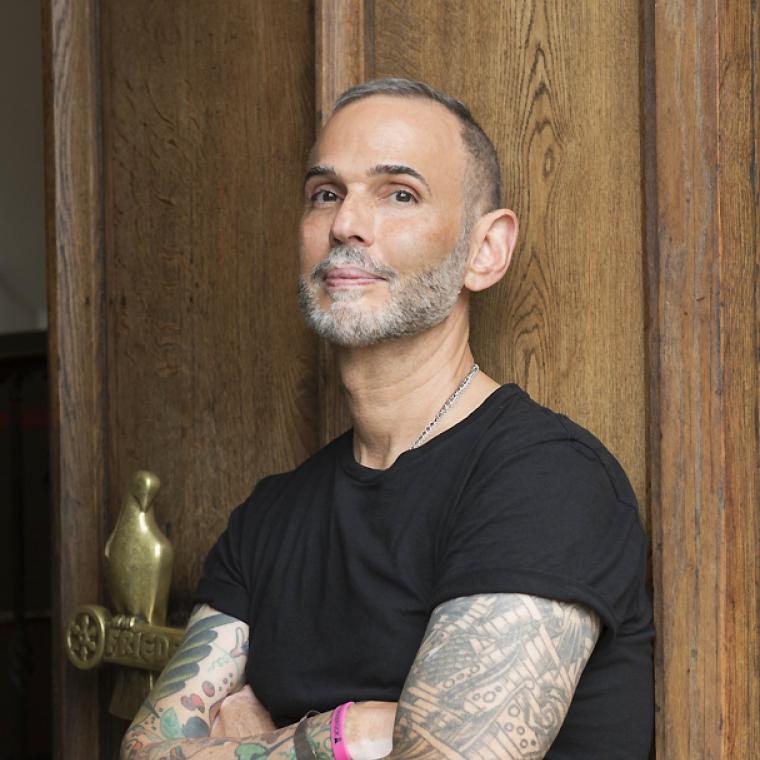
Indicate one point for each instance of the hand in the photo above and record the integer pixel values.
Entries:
(242, 715)
(369, 729)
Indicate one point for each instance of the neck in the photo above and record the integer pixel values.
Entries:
(394, 389)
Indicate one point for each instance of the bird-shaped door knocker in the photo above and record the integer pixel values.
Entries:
(138, 573)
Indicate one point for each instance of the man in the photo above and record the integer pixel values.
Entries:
(461, 575)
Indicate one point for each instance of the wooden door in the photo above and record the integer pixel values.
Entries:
(628, 134)
(177, 134)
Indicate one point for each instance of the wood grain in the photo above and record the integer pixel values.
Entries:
(704, 299)
(739, 212)
(76, 305)
(344, 57)
(344, 53)
(556, 87)
(208, 116)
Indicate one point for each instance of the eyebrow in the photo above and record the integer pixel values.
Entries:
(328, 171)
(319, 171)
(398, 169)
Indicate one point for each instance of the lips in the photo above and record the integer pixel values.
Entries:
(347, 277)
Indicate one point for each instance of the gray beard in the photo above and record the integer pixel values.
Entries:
(416, 303)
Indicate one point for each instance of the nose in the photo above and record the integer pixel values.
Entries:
(353, 222)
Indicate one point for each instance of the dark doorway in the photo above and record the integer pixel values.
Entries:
(25, 561)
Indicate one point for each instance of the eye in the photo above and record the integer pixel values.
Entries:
(323, 196)
(404, 196)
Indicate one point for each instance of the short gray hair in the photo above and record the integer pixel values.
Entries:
(485, 172)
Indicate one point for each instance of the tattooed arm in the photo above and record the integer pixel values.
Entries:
(175, 721)
(493, 678)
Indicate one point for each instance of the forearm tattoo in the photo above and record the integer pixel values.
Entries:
(493, 678)
(175, 720)
(276, 744)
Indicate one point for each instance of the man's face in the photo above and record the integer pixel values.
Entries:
(383, 248)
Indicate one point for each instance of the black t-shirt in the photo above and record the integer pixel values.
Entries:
(337, 567)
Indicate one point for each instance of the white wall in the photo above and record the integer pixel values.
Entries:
(22, 216)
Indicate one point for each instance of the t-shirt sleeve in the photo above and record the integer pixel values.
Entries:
(547, 521)
(223, 584)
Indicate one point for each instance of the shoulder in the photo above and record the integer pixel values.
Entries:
(545, 510)
(531, 444)
(276, 497)
(316, 467)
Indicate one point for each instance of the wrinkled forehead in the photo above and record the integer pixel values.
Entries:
(383, 129)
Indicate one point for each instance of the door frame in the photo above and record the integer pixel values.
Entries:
(76, 335)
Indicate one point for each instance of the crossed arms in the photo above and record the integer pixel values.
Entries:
(493, 678)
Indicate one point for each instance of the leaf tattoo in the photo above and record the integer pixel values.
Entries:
(194, 648)
(195, 727)
(251, 751)
(170, 727)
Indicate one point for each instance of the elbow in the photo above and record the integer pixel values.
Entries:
(125, 752)
(132, 748)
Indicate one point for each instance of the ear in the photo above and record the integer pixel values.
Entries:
(492, 243)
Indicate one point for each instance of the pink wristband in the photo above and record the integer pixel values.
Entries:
(337, 740)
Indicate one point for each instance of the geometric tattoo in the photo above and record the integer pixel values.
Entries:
(493, 678)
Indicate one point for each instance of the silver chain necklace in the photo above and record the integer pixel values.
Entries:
(450, 401)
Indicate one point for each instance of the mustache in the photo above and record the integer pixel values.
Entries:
(346, 255)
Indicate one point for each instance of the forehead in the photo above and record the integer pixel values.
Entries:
(385, 129)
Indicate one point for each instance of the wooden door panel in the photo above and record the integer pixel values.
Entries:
(210, 368)
(704, 290)
(556, 87)
(176, 138)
